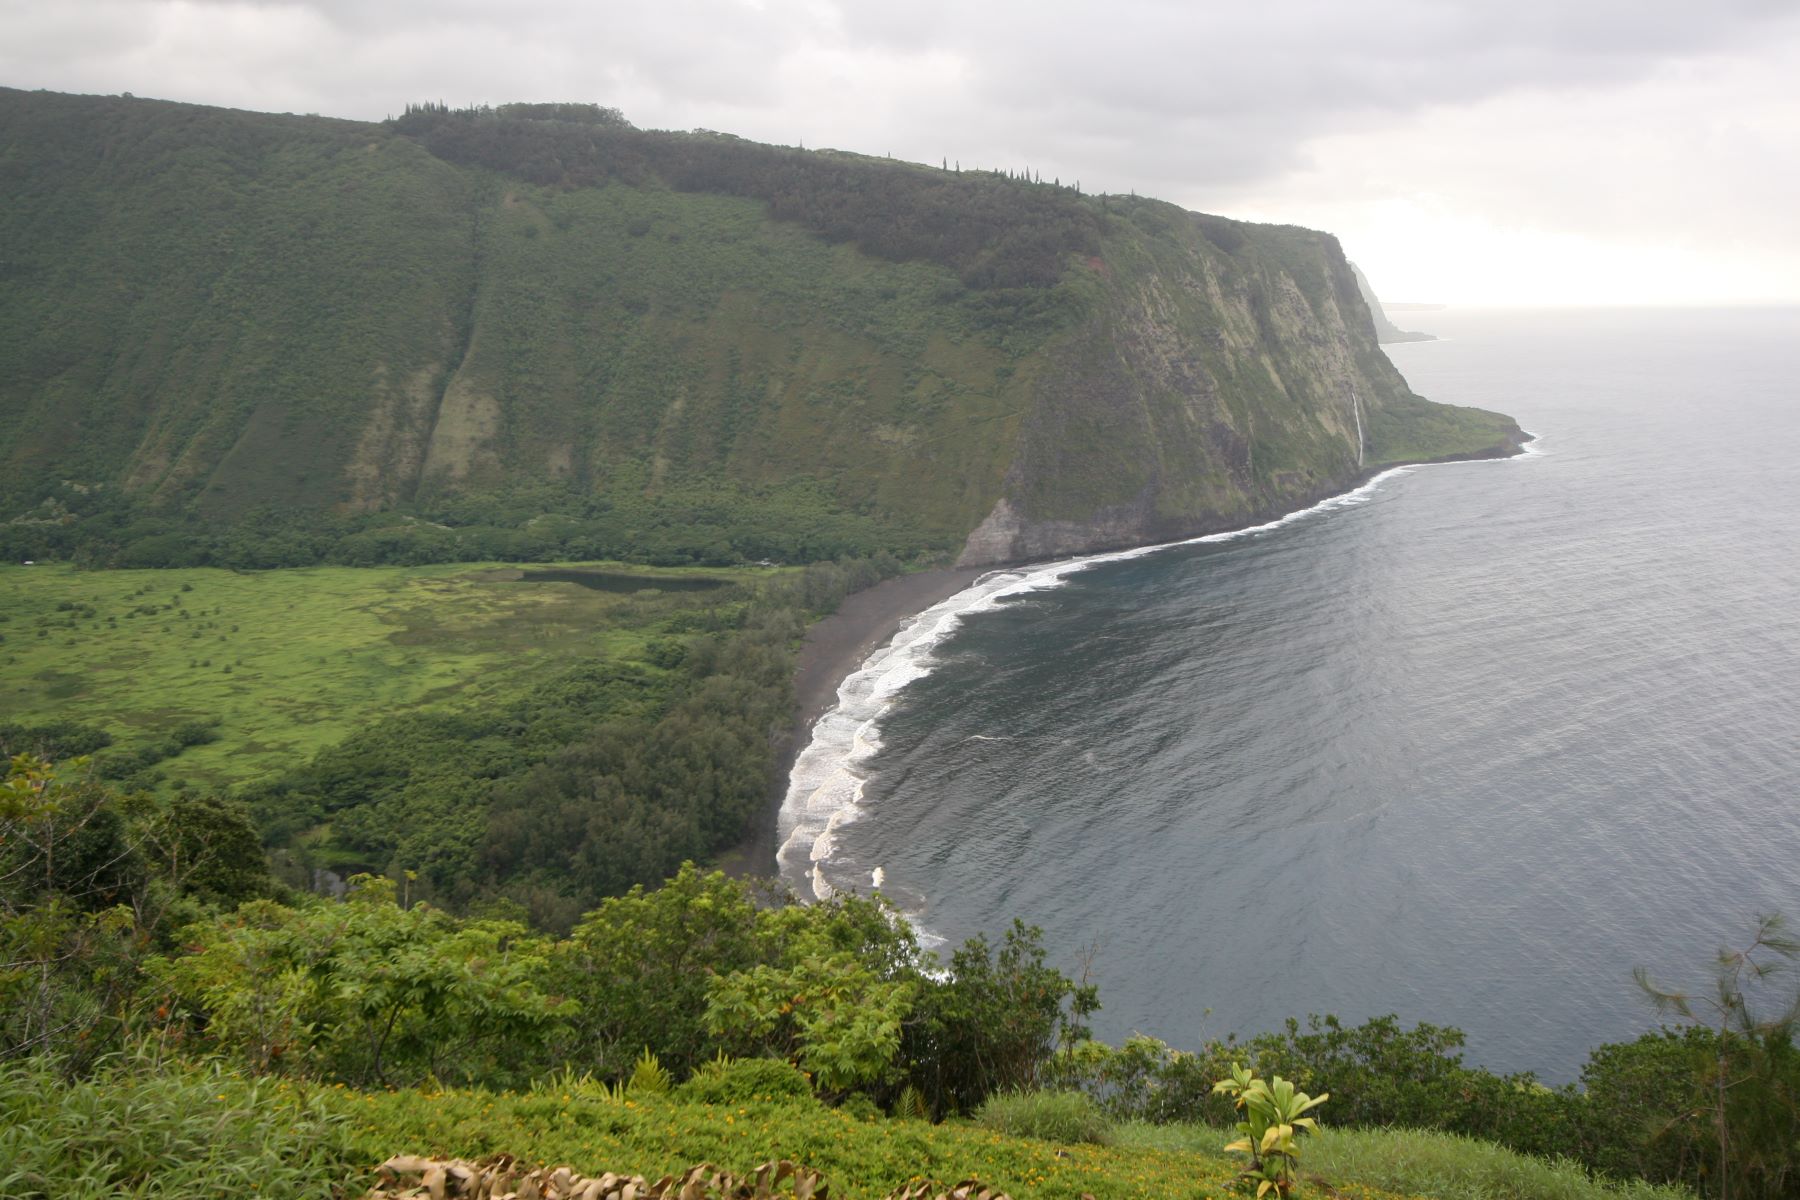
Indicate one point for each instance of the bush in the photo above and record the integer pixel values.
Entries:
(741, 1080)
(859, 1107)
(1049, 1116)
(55, 740)
(994, 1024)
(649, 1077)
(1146, 1080)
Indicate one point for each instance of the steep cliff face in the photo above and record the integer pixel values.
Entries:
(1385, 330)
(1227, 372)
(490, 319)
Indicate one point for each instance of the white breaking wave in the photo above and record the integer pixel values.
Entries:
(825, 788)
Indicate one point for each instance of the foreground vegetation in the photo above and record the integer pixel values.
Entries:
(1421, 1162)
(152, 1126)
(170, 1129)
(708, 1020)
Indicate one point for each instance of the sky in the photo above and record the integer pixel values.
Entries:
(1466, 152)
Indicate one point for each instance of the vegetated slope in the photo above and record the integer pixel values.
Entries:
(477, 318)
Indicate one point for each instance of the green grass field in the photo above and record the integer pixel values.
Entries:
(1417, 1162)
(291, 661)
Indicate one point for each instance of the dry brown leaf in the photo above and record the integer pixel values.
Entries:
(409, 1177)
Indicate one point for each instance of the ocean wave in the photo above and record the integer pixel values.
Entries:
(825, 788)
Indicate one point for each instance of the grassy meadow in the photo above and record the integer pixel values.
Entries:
(289, 662)
(1416, 1162)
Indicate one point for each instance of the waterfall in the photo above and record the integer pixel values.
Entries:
(1356, 407)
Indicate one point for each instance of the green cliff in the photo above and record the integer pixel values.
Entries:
(541, 314)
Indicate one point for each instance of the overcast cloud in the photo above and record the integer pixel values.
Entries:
(1470, 151)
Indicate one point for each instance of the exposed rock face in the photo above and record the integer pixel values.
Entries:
(1007, 536)
(1230, 374)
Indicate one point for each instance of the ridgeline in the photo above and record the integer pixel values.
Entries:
(536, 331)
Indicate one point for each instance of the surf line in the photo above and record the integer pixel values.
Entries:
(825, 787)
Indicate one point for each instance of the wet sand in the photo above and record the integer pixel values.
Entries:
(835, 647)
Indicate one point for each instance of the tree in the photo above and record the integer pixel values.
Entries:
(70, 879)
(1753, 1076)
(994, 1022)
(641, 965)
(367, 992)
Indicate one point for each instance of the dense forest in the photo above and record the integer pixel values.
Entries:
(994, 229)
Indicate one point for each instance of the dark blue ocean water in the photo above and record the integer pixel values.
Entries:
(1468, 746)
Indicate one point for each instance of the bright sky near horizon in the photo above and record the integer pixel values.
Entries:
(1466, 151)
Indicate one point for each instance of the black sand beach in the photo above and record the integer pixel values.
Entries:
(834, 648)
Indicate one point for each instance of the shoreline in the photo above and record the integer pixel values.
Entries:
(836, 646)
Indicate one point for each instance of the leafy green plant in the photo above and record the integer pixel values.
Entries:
(741, 1080)
(365, 991)
(1274, 1114)
(90, 879)
(909, 1105)
(649, 1077)
(566, 1083)
(827, 1009)
(1144, 1079)
(995, 1024)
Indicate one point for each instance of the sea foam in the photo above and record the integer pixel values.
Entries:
(825, 789)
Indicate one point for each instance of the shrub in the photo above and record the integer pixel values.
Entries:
(740, 1080)
(909, 1105)
(1742, 1138)
(995, 1023)
(365, 991)
(859, 1107)
(1273, 1119)
(649, 1077)
(1049, 1116)
(1144, 1080)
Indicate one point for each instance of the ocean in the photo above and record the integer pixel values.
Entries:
(1466, 745)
